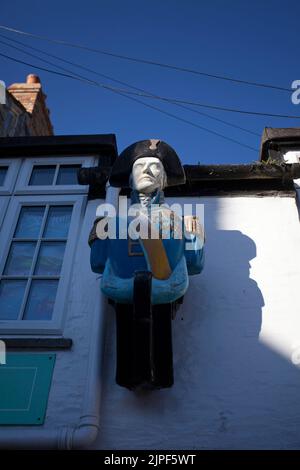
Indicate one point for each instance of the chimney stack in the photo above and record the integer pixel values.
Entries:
(32, 98)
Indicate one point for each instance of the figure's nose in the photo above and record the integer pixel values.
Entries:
(147, 170)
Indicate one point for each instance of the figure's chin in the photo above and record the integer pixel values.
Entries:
(146, 188)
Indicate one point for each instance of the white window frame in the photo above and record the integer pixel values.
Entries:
(56, 324)
(4, 200)
(22, 185)
(11, 175)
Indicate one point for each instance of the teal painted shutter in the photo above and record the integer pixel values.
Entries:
(25, 382)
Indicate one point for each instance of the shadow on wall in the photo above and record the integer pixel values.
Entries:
(230, 391)
(242, 394)
(222, 311)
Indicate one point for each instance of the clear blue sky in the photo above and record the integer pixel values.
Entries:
(251, 40)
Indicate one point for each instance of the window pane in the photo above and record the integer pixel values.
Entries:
(41, 300)
(42, 175)
(58, 222)
(67, 174)
(30, 221)
(19, 260)
(11, 297)
(3, 171)
(50, 259)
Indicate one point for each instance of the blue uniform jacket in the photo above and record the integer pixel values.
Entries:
(118, 259)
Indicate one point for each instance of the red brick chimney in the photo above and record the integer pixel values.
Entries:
(32, 98)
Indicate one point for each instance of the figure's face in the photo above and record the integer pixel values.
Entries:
(147, 175)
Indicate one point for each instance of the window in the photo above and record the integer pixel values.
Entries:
(8, 175)
(31, 274)
(54, 175)
(41, 210)
(3, 171)
(45, 175)
(42, 175)
(37, 259)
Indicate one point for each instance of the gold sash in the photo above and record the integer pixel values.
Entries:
(156, 253)
(157, 257)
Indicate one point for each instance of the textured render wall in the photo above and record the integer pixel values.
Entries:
(235, 384)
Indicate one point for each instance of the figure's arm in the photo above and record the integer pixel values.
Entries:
(194, 245)
(99, 250)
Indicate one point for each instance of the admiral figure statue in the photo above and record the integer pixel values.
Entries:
(146, 274)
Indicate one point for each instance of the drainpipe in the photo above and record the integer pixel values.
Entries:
(85, 433)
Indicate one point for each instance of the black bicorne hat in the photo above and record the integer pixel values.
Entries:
(122, 167)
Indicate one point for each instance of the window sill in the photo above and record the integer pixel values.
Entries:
(38, 343)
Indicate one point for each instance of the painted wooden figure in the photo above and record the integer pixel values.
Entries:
(145, 269)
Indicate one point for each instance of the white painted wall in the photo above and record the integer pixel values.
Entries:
(235, 337)
(292, 156)
(236, 386)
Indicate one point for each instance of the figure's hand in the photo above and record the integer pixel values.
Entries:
(193, 227)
